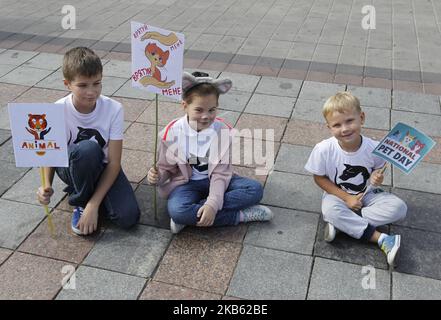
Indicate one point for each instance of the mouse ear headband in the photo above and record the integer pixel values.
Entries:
(196, 78)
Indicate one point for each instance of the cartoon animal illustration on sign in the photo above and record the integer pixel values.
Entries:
(38, 126)
(158, 59)
(418, 146)
(407, 139)
(396, 135)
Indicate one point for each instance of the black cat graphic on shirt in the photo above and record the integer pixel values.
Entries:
(352, 172)
(88, 134)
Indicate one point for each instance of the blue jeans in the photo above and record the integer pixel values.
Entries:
(185, 200)
(82, 175)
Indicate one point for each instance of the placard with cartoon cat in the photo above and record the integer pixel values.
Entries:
(404, 147)
(157, 60)
(38, 134)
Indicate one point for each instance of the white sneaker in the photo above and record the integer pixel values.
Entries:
(175, 228)
(257, 213)
(330, 232)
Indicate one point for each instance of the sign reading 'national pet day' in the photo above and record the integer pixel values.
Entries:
(38, 134)
(157, 60)
(404, 147)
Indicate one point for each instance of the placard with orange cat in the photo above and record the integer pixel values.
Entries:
(157, 60)
(38, 134)
(404, 147)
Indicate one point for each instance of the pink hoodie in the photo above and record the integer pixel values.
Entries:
(174, 169)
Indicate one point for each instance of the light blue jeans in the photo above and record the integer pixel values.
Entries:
(185, 200)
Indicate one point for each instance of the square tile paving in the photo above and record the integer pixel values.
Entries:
(210, 268)
(410, 287)
(290, 230)
(64, 245)
(416, 102)
(27, 277)
(429, 173)
(234, 100)
(163, 291)
(25, 189)
(19, 219)
(98, 284)
(292, 191)
(279, 87)
(145, 195)
(372, 97)
(25, 76)
(335, 280)
(255, 276)
(135, 252)
(265, 123)
(419, 252)
(422, 210)
(312, 90)
(270, 105)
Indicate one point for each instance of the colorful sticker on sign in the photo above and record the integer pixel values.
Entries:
(404, 147)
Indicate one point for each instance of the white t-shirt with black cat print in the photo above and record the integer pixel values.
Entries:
(104, 123)
(348, 170)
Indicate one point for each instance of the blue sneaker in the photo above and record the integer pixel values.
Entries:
(76, 216)
(390, 246)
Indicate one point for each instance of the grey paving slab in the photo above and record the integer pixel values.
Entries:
(6, 68)
(234, 100)
(25, 189)
(422, 210)
(279, 86)
(18, 221)
(270, 105)
(289, 230)
(347, 249)
(425, 177)
(48, 61)
(10, 175)
(427, 123)
(112, 84)
(336, 280)
(16, 57)
(25, 76)
(292, 191)
(4, 135)
(312, 90)
(135, 252)
(309, 110)
(416, 102)
(256, 277)
(376, 118)
(410, 287)
(117, 68)
(4, 118)
(419, 252)
(4, 254)
(229, 116)
(7, 152)
(53, 81)
(127, 91)
(145, 195)
(98, 284)
(241, 82)
(292, 158)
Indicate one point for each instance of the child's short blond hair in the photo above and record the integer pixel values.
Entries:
(81, 61)
(341, 102)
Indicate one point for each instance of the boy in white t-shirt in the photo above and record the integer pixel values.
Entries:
(94, 129)
(343, 166)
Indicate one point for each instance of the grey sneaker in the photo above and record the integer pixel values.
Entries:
(257, 213)
(175, 228)
(330, 232)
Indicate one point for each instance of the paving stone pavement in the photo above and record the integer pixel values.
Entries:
(280, 81)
